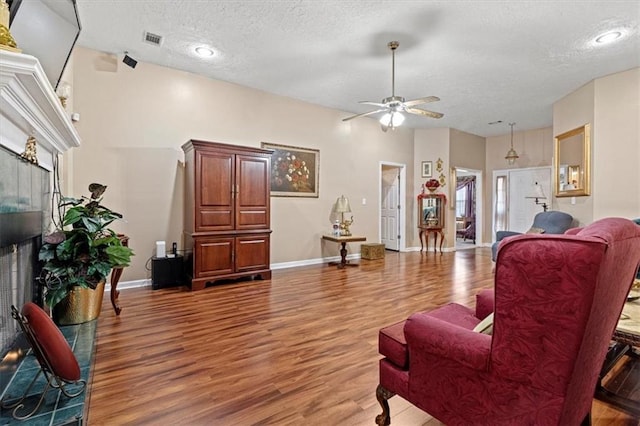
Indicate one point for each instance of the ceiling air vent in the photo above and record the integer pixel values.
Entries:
(152, 38)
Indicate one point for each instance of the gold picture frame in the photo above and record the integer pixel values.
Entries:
(295, 171)
(572, 162)
(453, 179)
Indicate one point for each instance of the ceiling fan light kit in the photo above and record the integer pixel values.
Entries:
(394, 106)
(392, 119)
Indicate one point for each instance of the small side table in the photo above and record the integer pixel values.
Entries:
(115, 277)
(426, 232)
(167, 271)
(343, 240)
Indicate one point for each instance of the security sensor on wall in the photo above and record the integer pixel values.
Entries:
(129, 60)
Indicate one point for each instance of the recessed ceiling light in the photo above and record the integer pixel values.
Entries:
(204, 52)
(608, 37)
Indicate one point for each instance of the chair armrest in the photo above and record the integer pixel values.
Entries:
(427, 335)
(504, 234)
(573, 231)
(485, 303)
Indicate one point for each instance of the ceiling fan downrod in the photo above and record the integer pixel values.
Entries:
(393, 45)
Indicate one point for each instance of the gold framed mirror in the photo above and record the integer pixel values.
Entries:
(572, 162)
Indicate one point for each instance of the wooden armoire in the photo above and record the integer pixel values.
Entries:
(227, 212)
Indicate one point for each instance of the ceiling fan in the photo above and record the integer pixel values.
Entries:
(394, 106)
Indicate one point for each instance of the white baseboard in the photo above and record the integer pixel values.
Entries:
(124, 285)
(307, 262)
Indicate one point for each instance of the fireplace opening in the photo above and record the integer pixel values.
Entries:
(19, 268)
(25, 208)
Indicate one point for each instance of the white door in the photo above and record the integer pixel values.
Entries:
(390, 204)
(521, 210)
(520, 185)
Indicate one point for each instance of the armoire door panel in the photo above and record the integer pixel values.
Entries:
(252, 253)
(216, 179)
(251, 218)
(253, 192)
(215, 191)
(213, 256)
(252, 181)
(218, 219)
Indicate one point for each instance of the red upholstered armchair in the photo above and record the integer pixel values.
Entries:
(557, 301)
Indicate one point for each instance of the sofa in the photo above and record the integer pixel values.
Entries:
(551, 222)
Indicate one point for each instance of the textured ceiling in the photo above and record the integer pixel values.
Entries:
(486, 60)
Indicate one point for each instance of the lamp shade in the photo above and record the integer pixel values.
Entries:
(392, 119)
(342, 205)
(538, 192)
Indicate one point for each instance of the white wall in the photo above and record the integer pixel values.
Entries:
(535, 148)
(575, 110)
(134, 121)
(612, 105)
(616, 146)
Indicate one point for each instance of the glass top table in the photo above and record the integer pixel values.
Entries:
(628, 328)
(619, 391)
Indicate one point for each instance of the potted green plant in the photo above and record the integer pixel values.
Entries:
(79, 256)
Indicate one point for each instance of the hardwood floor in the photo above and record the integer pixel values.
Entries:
(300, 349)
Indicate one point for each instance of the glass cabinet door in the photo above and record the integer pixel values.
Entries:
(431, 210)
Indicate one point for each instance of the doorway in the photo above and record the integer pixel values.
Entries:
(392, 213)
(468, 208)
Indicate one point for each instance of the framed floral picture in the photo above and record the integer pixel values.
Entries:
(294, 171)
(426, 169)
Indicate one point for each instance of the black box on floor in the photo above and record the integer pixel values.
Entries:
(167, 272)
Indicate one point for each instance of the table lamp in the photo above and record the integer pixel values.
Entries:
(342, 206)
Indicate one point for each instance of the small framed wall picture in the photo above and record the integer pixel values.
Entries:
(426, 169)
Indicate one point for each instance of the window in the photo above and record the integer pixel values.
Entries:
(500, 219)
(461, 202)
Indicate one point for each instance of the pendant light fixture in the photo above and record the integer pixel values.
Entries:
(512, 155)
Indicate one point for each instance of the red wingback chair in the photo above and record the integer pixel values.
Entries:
(557, 302)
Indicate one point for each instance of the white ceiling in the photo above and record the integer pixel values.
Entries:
(487, 60)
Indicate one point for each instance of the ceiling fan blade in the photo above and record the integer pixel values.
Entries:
(419, 101)
(418, 111)
(363, 114)
(372, 103)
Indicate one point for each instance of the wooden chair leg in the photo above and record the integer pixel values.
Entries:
(383, 395)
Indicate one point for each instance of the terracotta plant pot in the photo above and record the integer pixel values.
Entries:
(81, 305)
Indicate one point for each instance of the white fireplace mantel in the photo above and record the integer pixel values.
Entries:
(30, 107)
